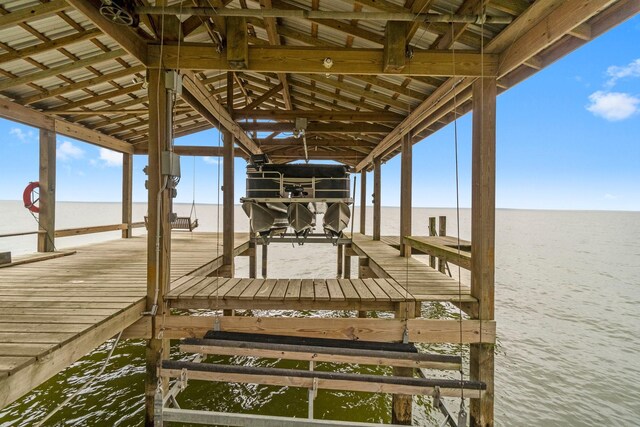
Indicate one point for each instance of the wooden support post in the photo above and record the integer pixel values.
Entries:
(252, 260)
(237, 42)
(394, 55)
(264, 261)
(401, 403)
(363, 202)
(47, 180)
(377, 202)
(405, 194)
(228, 230)
(483, 239)
(347, 266)
(159, 232)
(363, 273)
(340, 253)
(432, 232)
(127, 188)
(442, 231)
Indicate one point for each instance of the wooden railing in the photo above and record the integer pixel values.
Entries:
(79, 230)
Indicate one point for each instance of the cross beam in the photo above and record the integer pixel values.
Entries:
(347, 61)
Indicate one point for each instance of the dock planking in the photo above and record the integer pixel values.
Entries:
(408, 275)
(56, 310)
(293, 294)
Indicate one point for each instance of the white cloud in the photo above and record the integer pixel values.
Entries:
(613, 106)
(21, 135)
(110, 158)
(211, 160)
(609, 196)
(616, 73)
(67, 151)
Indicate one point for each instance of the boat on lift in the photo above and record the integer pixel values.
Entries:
(290, 196)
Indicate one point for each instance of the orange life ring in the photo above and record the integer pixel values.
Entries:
(30, 197)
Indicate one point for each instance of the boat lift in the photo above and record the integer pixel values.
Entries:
(284, 201)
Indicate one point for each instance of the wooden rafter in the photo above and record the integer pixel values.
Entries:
(127, 39)
(198, 97)
(274, 39)
(319, 115)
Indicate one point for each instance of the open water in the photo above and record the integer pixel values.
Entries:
(567, 298)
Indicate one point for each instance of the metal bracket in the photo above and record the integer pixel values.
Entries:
(158, 405)
(184, 382)
(405, 334)
(216, 324)
(462, 415)
(314, 387)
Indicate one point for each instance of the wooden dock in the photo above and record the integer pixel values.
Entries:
(417, 278)
(56, 311)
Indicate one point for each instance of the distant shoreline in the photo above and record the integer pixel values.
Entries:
(369, 206)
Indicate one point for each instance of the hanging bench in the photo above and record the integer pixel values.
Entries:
(180, 223)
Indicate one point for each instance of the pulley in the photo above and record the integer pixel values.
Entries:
(120, 12)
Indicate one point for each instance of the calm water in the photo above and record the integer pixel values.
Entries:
(567, 292)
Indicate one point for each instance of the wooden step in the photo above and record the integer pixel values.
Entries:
(321, 380)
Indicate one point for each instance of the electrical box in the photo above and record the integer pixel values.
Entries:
(301, 123)
(173, 81)
(170, 164)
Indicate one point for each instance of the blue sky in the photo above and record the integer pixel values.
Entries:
(567, 138)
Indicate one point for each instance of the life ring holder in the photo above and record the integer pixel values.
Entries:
(31, 197)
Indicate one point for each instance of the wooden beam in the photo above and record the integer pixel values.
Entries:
(47, 180)
(159, 233)
(316, 127)
(124, 36)
(406, 177)
(379, 330)
(195, 150)
(377, 201)
(312, 142)
(483, 238)
(401, 411)
(444, 93)
(228, 190)
(199, 97)
(50, 72)
(27, 116)
(558, 22)
(259, 100)
(237, 43)
(18, 113)
(320, 115)
(39, 11)
(81, 133)
(127, 193)
(293, 59)
(363, 202)
(274, 40)
(395, 46)
(503, 43)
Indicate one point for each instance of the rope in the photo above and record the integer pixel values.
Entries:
(84, 386)
(193, 203)
(462, 413)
